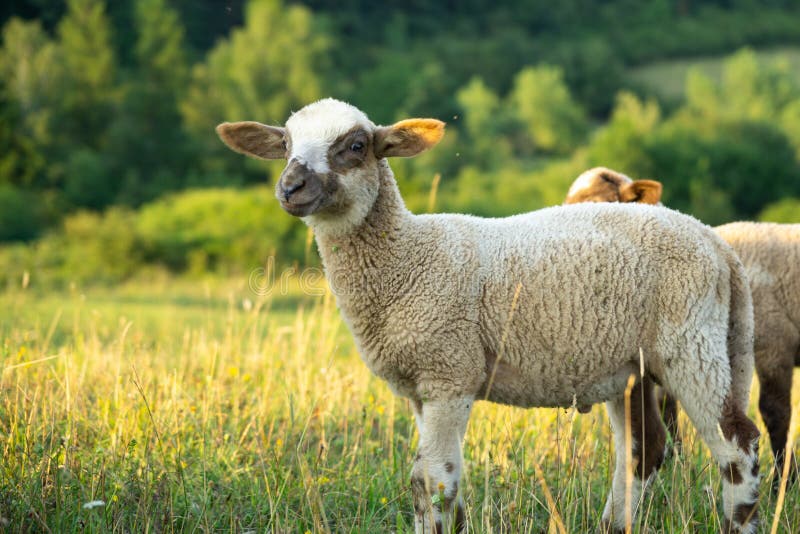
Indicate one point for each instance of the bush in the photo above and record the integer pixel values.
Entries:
(783, 211)
(88, 183)
(727, 161)
(218, 229)
(90, 248)
(21, 214)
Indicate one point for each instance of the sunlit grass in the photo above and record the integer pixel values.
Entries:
(202, 407)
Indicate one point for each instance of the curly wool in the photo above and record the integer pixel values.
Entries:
(770, 253)
(555, 303)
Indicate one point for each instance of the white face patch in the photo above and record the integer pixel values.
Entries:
(315, 127)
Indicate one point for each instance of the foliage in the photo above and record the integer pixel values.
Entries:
(786, 210)
(227, 231)
(32, 73)
(20, 215)
(620, 144)
(146, 149)
(720, 175)
(84, 36)
(111, 104)
(216, 228)
(89, 248)
(263, 71)
(481, 110)
(552, 121)
(721, 156)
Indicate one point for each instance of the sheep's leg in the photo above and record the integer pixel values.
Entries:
(669, 412)
(649, 439)
(775, 400)
(732, 439)
(437, 467)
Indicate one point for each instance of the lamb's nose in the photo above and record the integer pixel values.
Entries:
(292, 187)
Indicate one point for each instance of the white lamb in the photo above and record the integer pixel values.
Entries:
(771, 256)
(542, 309)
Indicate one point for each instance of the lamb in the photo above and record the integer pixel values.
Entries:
(771, 256)
(548, 308)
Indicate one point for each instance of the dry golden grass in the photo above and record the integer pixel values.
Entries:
(208, 409)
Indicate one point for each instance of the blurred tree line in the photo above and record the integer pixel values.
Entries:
(107, 112)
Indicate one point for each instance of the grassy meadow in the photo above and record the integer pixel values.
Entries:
(200, 406)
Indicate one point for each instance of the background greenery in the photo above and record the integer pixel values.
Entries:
(109, 165)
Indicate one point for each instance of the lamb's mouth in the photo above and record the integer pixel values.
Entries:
(301, 209)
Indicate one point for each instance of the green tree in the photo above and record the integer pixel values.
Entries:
(748, 90)
(84, 37)
(543, 103)
(722, 173)
(754, 90)
(483, 120)
(147, 146)
(160, 53)
(262, 72)
(88, 95)
(480, 105)
(702, 95)
(593, 70)
(21, 215)
(30, 77)
(790, 123)
(621, 143)
(20, 161)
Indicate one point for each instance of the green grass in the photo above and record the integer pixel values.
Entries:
(667, 79)
(198, 406)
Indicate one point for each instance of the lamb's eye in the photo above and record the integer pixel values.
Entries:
(358, 146)
(283, 144)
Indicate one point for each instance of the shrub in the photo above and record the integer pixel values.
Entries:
(783, 211)
(218, 229)
(21, 214)
(91, 247)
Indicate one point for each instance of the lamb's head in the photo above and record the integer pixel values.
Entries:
(334, 152)
(604, 185)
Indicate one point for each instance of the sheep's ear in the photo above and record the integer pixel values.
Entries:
(254, 139)
(407, 138)
(641, 191)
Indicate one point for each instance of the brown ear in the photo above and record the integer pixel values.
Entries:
(254, 139)
(407, 138)
(641, 191)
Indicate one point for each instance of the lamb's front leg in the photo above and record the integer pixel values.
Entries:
(437, 467)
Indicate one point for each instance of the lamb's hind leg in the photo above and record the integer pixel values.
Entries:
(437, 467)
(732, 439)
(647, 450)
(778, 342)
(775, 405)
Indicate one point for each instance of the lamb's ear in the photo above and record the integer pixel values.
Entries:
(254, 139)
(641, 191)
(407, 138)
